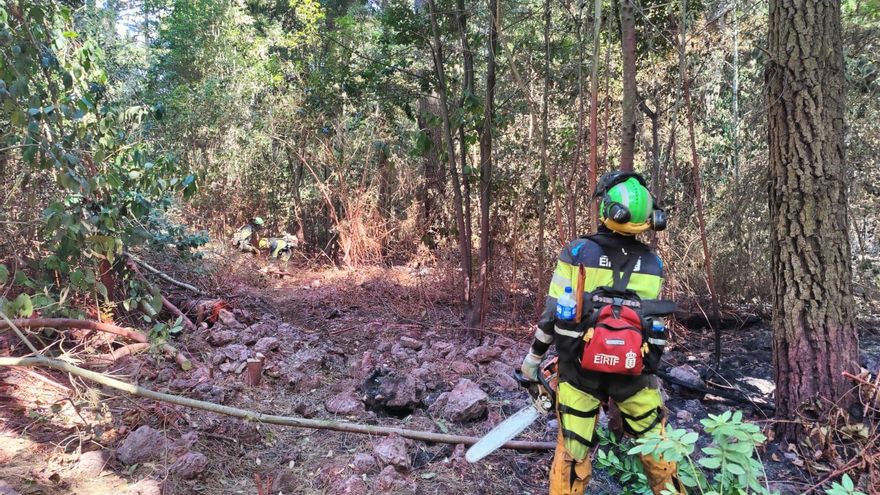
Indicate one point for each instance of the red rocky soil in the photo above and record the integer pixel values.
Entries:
(374, 346)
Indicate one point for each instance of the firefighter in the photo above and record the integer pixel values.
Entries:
(620, 276)
(280, 247)
(247, 237)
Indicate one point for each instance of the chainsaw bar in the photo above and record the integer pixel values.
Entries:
(503, 433)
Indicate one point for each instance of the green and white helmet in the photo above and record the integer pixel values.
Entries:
(626, 205)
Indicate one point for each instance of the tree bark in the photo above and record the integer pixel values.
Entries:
(814, 338)
(630, 98)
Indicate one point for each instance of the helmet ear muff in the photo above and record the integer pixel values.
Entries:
(658, 219)
(616, 211)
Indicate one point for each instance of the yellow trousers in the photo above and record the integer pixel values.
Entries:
(577, 412)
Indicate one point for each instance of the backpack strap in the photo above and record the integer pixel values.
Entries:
(623, 254)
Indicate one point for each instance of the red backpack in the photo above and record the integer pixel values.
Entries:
(614, 341)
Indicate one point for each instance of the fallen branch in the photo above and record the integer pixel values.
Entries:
(739, 398)
(163, 275)
(128, 350)
(129, 333)
(165, 302)
(256, 416)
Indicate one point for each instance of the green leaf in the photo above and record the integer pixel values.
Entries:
(23, 305)
(710, 462)
(847, 482)
(735, 469)
(4, 274)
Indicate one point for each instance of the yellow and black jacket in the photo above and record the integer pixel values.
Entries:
(593, 254)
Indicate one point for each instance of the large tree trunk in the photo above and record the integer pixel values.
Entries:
(482, 299)
(628, 116)
(813, 333)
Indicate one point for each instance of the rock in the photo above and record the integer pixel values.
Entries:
(395, 393)
(189, 465)
(428, 355)
(209, 392)
(143, 487)
(443, 348)
(687, 374)
(353, 485)
(462, 368)
(345, 403)
(483, 354)
(766, 387)
(552, 428)
(6, 489)
(684, 416)
(363, 463)
(184, 444)
(299, 381)
(306, 360)
(255, 332)
(513, 356)
(411, 343)
(234, 352)
(400, 353)
(389, 480)
(285, 481)
(499, 368)
(228, 320)
(392, 451)
(141, 445)
(90, 464)
(221, 337)
(506, 381)
(266, 345)
(361, 368)
(463, 403)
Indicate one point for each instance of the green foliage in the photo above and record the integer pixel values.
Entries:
(626, 469)
(109, 188)
(845, 487)
(728, 465)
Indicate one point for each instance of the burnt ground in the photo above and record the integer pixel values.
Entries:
(379, 346)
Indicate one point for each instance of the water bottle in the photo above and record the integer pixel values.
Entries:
(565, 306)
(658, 332)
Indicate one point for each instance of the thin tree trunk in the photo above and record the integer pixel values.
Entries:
(463, 241)
(814, 337)
(698, 194)
(541, 276)
(735, 109)
(594, 112)
(579, 144)
(467, 91)
(482, 299)
(630, 101)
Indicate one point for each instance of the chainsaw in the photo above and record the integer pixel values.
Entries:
(543, 394)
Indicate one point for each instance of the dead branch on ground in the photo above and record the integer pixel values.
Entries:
(247, 415)
(129, 333)
(163, 275)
